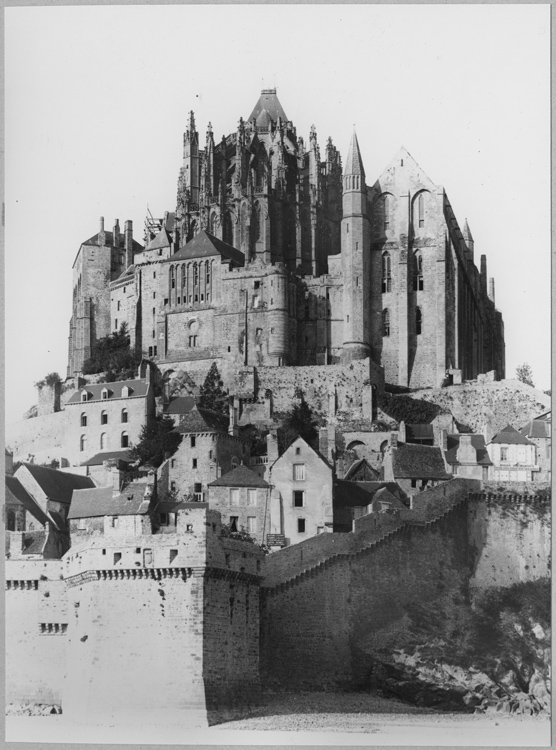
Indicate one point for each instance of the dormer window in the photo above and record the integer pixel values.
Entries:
(84, 395)
(104, 394)
(126, 391)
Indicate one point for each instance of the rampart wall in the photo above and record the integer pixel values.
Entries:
(36, 631)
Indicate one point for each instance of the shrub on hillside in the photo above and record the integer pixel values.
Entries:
(112, 355)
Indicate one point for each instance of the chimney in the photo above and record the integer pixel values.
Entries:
(491, 291)
(116, 233)
(233, 406)
(331, 454)
(272, 447)
(401, 432)
(128, 243)
(487, 432)
(466, 453)
(444, 439)
(101, 234)
(393, 440)
(323, 441)
(117, 480)
(484, 273)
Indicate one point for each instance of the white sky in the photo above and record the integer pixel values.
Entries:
(97, 100)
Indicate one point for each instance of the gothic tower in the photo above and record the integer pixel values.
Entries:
(355, 253)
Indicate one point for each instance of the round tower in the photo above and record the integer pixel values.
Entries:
(355, 250)
(278, 316)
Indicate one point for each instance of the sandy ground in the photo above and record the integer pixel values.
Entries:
(304, 719)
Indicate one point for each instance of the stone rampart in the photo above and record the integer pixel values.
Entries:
(36, 631)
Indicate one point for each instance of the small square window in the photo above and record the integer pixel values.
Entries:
(194, 463)
(300, 525)
(252, 524)
(299, 472)
(117, 557)
(164, 519)
(197, 487)
(298, 499)
(173, 486)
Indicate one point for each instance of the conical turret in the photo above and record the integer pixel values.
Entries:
(354, 164)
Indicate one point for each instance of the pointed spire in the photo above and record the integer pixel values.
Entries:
(354, 163)
(467, 232)
(191, 126)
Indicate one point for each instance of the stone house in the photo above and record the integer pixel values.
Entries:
(513, 457)
(353, 500)
(467, 456)
(243, 499)
(104, 417)
(539, 432)
(361, 471)
(207, 450)
(413, 467)
(302, 489)
(51, 489)
(100, 466)
(115, 511)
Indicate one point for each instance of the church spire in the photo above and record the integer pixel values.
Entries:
(467, 232)
(354, 162)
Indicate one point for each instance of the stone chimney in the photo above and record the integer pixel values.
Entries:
(401, 432)
(272, 447)
(233, 406)
(128, 243)
(443, 439)
(484, 273)
(466, 453)
(323, 441)
(116, 233)
(491, 291)
(101, 233)
(117, 480)
(487, 432)
(393, 443)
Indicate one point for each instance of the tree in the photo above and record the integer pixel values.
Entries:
(212, 395)
(525, 374)
(158, 440)
(51, 379)
(112, 355)
(298, 422)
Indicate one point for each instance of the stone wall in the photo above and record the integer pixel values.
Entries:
(36, 631)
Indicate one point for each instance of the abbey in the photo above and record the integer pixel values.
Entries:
(275, 256)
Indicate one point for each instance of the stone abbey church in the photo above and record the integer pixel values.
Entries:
(278, 254)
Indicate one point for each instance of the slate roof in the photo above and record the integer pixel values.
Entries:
(180, 405)
(16, 491)
(138, 389)
(33, 543)
(419, 431)
(268, 101)
(100, 501)
(58, 485)
(536, 428)
(202, 420)
(100, 458)
(384, 495)
(510, 436)
(413, 461)
(477, 441)
(109, 240)
(354, 162)
(349, 494)
(241, 476)
(206, 245)
(360, 466)
(162, 239)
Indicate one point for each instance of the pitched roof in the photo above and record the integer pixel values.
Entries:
(162, 239)
(350, 494)
(33, 543)
(138, 389)
(100, 501)
(205, 245)
(419, 431)
(202, 420)
(537, 428)
(100, 458)
(15, 491)
(268, 101)
(241, 476)
(477, 441)
(354, 162)
(361, 467)
(413, 461)
(109, 240)
(180, 405)
(510, 436)
(57, 485)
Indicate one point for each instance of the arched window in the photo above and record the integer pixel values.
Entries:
(104, 394)
(124, 415)
(103, 443)
(103, 417)
(386, 322)
(172, 277)
(418, 321)
(386, 211)
(421, 209)
(84, 395)
(83, 420)
(124, 440)
(11, 520)
(386, 273)
(183, 283)
(235, 462)
(83, 443)
(418, 278)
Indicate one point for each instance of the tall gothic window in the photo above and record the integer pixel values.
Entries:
(386, 211)
(208, 279)
(386, 273)
(418, 279)
(421, 209)
(386, 322)
(418, 321)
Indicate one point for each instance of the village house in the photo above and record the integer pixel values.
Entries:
(513, 457)
(413, 467)
(243, 499)
(353, 500)
(539, 432)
